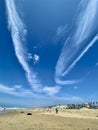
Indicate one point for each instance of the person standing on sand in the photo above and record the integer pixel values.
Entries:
(56, 110)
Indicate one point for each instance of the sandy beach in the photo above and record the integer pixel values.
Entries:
(83, 119)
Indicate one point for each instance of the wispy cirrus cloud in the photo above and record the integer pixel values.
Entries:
(84, 35)
(51, 90)
(18, 33)
(16, 90)
(61, 32)
(66, 82)
(43, 99)
(19, 91)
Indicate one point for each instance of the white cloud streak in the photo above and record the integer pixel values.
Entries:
(16, 91)
(18, 33)
(51, 99)
(51, 90)
(61, 31)
(82, 53)
(84, 35)
(66, 82)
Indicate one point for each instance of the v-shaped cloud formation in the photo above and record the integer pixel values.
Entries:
(83, 36)
(78, 43)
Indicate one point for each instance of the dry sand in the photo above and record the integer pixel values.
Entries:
(83, 119)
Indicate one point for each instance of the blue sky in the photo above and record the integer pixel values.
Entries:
(48, 52)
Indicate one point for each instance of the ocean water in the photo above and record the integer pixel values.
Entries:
(4, 110)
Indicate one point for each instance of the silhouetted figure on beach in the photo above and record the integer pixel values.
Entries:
(56, 110)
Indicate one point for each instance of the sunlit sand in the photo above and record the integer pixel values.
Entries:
(40, 119)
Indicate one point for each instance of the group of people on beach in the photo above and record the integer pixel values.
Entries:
(56, 110)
